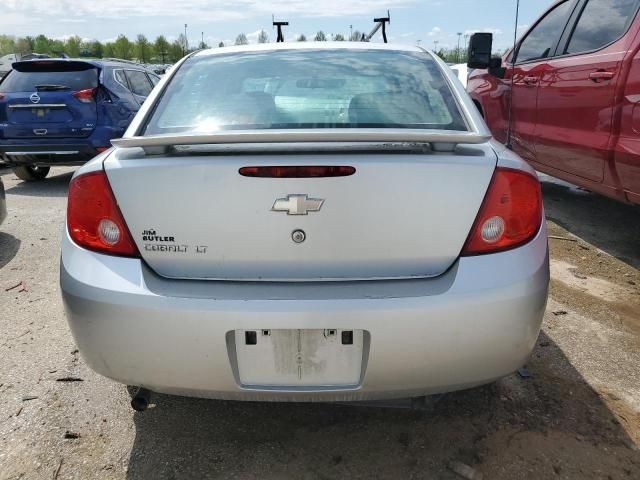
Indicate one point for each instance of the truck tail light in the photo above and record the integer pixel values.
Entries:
(85, 96)
(510, 215)
(94, 220)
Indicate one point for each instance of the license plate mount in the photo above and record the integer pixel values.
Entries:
(299, 357)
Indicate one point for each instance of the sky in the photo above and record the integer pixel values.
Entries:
(412, 21)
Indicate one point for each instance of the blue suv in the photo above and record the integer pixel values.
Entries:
(64, 112)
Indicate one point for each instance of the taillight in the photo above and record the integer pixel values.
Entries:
(85, 96)
(510, 215)
(1, 96)
(94, 220)
(301, 171)
(102, 149)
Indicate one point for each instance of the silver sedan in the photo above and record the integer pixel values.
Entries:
(306, 222)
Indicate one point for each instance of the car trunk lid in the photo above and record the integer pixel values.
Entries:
(49, 99)
(400, 215)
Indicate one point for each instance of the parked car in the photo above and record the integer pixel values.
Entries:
(462, 72)
(7, 60)
(64, 112)
(576, 95)
(3, 203)
(306, 222)
(5, 64)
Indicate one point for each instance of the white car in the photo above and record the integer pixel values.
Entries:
(5, 64)
(7, 61)
(462, 72)
(306, 222)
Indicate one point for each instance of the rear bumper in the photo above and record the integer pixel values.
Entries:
(56, 151)
(474, 324)
(21, 153)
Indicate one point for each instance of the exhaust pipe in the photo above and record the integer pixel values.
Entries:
(140, 401)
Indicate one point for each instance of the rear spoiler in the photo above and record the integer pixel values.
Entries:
(52, 65)
(441, 140)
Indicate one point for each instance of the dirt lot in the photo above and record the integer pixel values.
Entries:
(577, 416)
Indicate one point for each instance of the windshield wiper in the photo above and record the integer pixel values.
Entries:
(51, 86)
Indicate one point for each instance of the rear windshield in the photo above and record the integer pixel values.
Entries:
(43, 80)
(307, 89)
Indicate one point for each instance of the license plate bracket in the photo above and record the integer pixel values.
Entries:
(299, 357)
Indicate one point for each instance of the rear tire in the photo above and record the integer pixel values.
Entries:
(31, 173)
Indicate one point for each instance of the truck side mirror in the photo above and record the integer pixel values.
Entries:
(480, 46)
(495, 67)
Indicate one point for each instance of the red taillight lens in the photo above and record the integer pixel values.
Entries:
(102, 149)
(510, 215)
(85, 96)
(1, 96)
(94, 220)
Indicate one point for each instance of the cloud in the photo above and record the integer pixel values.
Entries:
(253, 36)
(210, 10)
(495, 31)
(67, 36)
(435, 31)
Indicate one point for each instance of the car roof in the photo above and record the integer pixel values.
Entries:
(95, 62)
(268, 47)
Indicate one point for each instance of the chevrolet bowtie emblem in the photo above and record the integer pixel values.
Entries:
(297, 205)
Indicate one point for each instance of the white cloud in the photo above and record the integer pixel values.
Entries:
(435, 31)
(495, 31)
(210, 10)
(66, 37)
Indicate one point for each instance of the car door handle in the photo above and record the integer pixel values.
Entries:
(601, 75)
(530, 80)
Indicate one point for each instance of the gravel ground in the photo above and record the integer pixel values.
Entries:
(577, 416)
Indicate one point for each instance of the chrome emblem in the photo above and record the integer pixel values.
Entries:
(35, 98)
(297, 205)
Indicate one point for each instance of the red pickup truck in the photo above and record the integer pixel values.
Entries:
(574, 110)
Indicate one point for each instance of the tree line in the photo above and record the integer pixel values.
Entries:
(452, 55)
(140, 48)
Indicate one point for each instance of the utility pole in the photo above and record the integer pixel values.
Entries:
(202, 41)
(185, 47)
(350, 32)
(466, 44)
(435, 46)
(458, 50)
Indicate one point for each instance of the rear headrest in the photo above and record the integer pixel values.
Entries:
(390, 108)
(247, 107)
